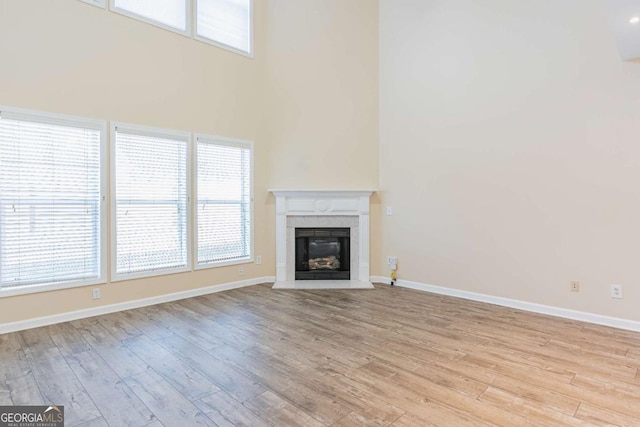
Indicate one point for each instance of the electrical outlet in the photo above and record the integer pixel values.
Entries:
(391, 260)
(575, 286)
(96, 293)
(259, 260)
(389, 211)
(240, 271)
(616, 291)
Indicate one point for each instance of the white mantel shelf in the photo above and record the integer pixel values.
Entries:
(322, 203)
(323, 193)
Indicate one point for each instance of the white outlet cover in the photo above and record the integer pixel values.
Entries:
(616, 291)
(389, 211)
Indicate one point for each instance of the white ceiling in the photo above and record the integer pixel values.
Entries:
(627, 35)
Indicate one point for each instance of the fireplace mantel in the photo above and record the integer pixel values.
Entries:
(323, 204)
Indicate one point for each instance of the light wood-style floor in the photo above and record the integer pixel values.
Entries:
(389, 356)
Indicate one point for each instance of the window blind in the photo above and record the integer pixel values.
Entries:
(150, 201)
(223, 201)
(225, 21)
(50, 200)
(170, 13)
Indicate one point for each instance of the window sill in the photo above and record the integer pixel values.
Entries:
(226, 47)
(204, 266)
(145, 274)
(34, 289)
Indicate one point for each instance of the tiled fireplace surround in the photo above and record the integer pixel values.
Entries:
(322, 208)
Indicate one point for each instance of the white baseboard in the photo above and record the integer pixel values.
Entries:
(128, 305)
(598, 319)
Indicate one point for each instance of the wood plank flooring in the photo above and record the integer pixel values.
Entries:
(389, 356)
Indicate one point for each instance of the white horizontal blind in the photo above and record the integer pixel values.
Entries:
(225, 21)
(224, 201)
(150, 201)
(50, 200)
(170, 13)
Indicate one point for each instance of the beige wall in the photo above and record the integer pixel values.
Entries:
(509, 150)
(68, 57)
(322, 92)
(321, 89)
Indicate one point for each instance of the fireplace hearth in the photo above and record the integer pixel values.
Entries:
(322, 254)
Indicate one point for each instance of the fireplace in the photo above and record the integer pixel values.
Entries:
(322, 254)
(335, 215)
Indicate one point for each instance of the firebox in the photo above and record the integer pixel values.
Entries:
(323, 254)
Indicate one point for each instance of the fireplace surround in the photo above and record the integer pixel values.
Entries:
(324, 209)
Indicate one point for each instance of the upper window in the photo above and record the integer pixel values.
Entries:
(225, 22)
(51, 201)
(170, 14)
(224, 200)
(150, 216)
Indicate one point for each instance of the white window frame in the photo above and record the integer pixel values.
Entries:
(230, 142)
(248, 54)
(163, 133)
(188, 24)
(100, 125)
(100, 3)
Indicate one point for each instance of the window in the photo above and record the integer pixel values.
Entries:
(224, 200)
(225, 22)
(51, 201)
(170, 14)
(150, 206)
